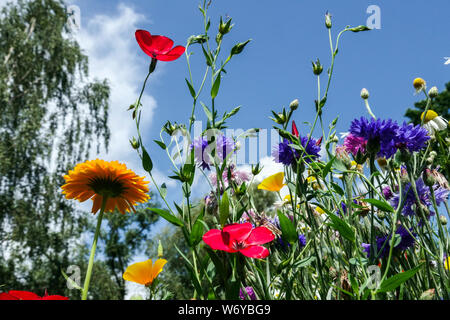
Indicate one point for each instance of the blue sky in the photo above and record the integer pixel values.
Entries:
(274, 68)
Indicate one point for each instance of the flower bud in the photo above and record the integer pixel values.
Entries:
(433, 92)
(365, 94)
(160, 249)
(382, 162)
(328, 20)
(134, 143)
(428, 177)
(381, 214)
(294, 105)
(443, 220)
(317, 67)
(224, 28)
(256, 169)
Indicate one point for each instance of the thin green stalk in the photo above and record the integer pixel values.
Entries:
(94, 246)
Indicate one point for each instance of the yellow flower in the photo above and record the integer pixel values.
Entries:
(144, 272)
(273, 183)
(96, 179)
(320, 210)
(419, 84)
(447, 263)
(433, 122)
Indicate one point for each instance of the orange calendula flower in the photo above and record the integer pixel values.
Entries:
(144, 272)
(273, 183)
(96, 179)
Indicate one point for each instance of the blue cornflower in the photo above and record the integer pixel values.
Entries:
(407, 241)
(412, 138)
(286, 155)
(424, 195)
(380, 135)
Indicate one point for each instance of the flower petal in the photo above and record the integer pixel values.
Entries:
(260, 235)
(256, 252)
(273, 183)
(158, 267)
(139, 272)
(238, 231)
(215, 239)
(24, 295)
(144, 39)
(161, 44)
(173, 54)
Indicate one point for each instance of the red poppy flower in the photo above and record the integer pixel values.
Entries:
(26, 295)
(241, 238)
(158, 47)
(294, 129)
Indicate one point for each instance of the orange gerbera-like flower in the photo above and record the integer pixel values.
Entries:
(96, 179)
(144, 272)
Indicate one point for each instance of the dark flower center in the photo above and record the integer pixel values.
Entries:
(107, 187)
(239, 245)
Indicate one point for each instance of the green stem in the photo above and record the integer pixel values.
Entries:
(94, 246)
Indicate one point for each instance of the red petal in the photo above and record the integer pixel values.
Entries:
(6, 296)
(260, 235)
(55, 297)
(161, 44)
(215, 239)
(319, 141)
(24, 295)
(173, 54)
(238, 231)
(294, 129)
(144, 40)
(257, 252)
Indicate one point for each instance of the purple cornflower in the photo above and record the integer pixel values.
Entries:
(387, 193)
(379, 134)
(383, 242)
(250, 293)
(202, 150)
(302, 240)
(424, 195)
(412, 138)
(286, 155)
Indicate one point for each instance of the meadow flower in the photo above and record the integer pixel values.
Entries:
(285, 154)
(144, 272)
(97, 179)
(237, 176)
(410, 137)
(353, 144)
(240, 237)
(410, 202)
(273, 182)
(250, 293)
(447, 263)
(221, 147)
(26, 295)
(419, 84)
(433, 122)
(379, 134)
(383, 242)
(158, 47)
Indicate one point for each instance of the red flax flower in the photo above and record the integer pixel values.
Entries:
(240, 237)
(26, 295)
(158, 47)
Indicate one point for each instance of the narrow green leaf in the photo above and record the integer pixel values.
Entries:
(327, 168)
(289, 233)
(382, 205)
(393, 282)
(196, 233)
(191, 89)
(224, 209)
(146, 161)
(215, 87)
(345, 230)
(207, 111)
(337, 188)
(167, 216)
(161, 144)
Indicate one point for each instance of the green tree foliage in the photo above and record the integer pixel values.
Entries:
(441, 105)
(50, 119)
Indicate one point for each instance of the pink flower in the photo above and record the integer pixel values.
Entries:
(158, 47)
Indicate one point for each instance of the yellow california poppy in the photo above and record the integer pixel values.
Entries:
(144, 272)
(273, 183)
(96, 179)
